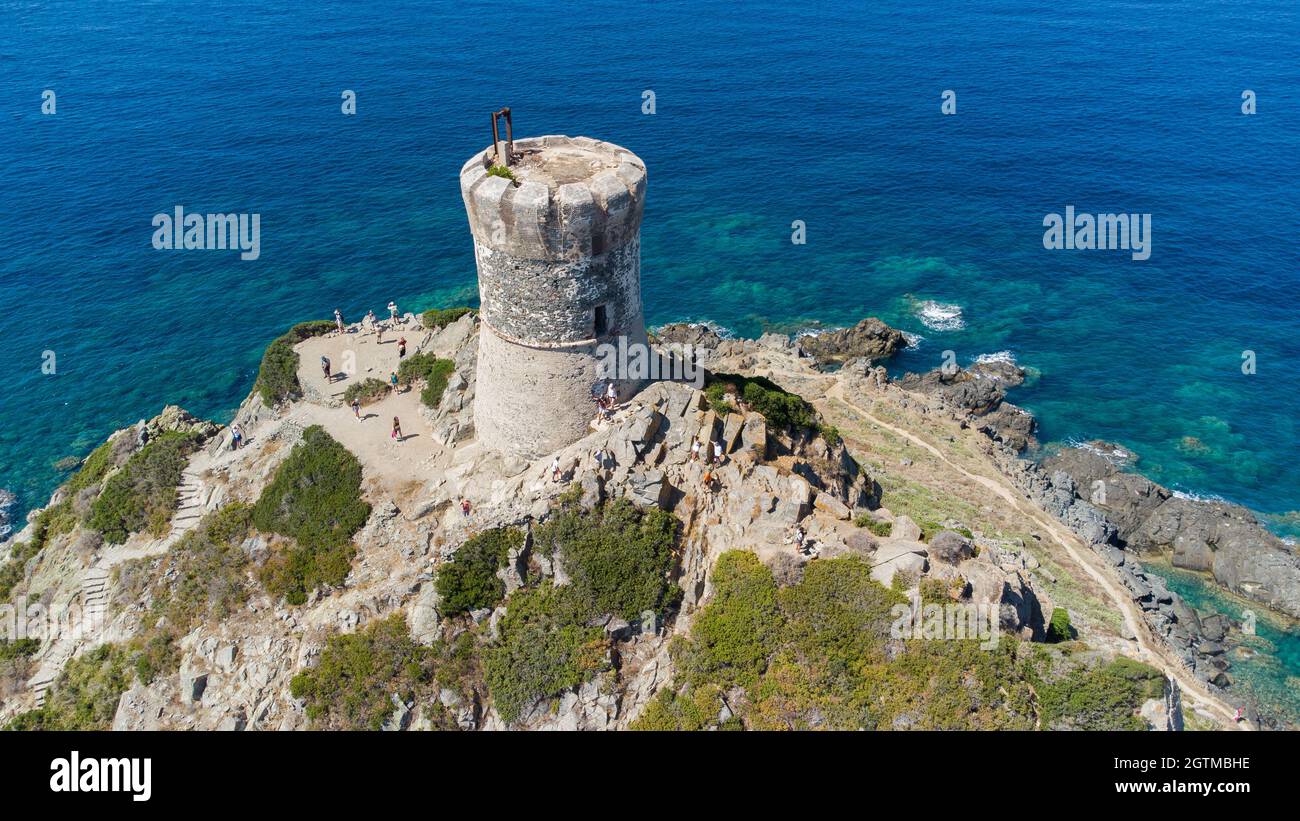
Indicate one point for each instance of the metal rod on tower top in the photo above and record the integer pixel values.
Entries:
(503, 148)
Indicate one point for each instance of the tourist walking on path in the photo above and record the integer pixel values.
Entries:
(397, 429)
(392, 380)
(338, 320)
(401, 347)
(356, 408)
(555, 470)
(325, 366)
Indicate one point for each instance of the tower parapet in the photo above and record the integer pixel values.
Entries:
(558, 250)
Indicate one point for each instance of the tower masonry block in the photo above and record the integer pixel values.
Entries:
(558, 250)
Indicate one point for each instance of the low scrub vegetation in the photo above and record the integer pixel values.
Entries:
(818, 654)
(353, 685)
(431, 371)
(469, 581)
(315, 500)
(277, 377)
(778, 406)
(1104, 697)
(439, 318)
(618, 557)
(86, 693)
(142, 495)
(544, 648)
(367, 391)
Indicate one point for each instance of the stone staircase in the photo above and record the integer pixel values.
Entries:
(192, 498)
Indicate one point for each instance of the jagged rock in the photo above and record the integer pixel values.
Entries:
(870, 339)
(834, 507)
(192, 684)
(688, 333)
(1223, 539)
(753, 435)
(649, 489)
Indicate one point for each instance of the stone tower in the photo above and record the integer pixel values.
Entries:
(558, 250)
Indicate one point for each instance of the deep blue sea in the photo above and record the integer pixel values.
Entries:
(765, 113)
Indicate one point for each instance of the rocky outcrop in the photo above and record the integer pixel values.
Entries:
(980, 392)
(697, 335)
(1219, 538)
(870, 339)
(7, 500)
(1168, 616)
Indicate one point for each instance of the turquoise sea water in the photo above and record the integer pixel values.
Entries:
(1268, 665)
(766, 113)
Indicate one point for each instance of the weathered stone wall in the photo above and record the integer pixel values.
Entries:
(553, 247)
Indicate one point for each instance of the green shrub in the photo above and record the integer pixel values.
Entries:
(314, 499)
(439, 318)
(353, 684)
(1060, 629)
(780, 408)
(501, 171)
(277, 377)
(370, 390)
(673, 711)
(427, 368)
(830, 433)
(469, 581)
(543, 649)
(92, 470)
(877, 527)
(142, 495)
(1104, 697)
(618, 557)
(86, 693)
(18, 648)
(716, 394)
(732, 637)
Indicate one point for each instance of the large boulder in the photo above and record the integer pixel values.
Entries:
(950, 547)
(870, 339)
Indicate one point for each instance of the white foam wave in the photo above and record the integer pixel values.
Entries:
(940, 316)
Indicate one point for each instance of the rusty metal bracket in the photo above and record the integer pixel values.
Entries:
(503, 149)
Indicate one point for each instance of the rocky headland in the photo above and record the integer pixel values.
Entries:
(225, 605)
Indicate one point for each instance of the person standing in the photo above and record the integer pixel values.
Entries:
(356, 408)
(401, 347)
(555, 470)
(338, 320)
(236, 437)
(325, 366)
(392, 312)
(695, 450)
(392, 381)
(464, 507)
(717, 451)
(397, 429)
